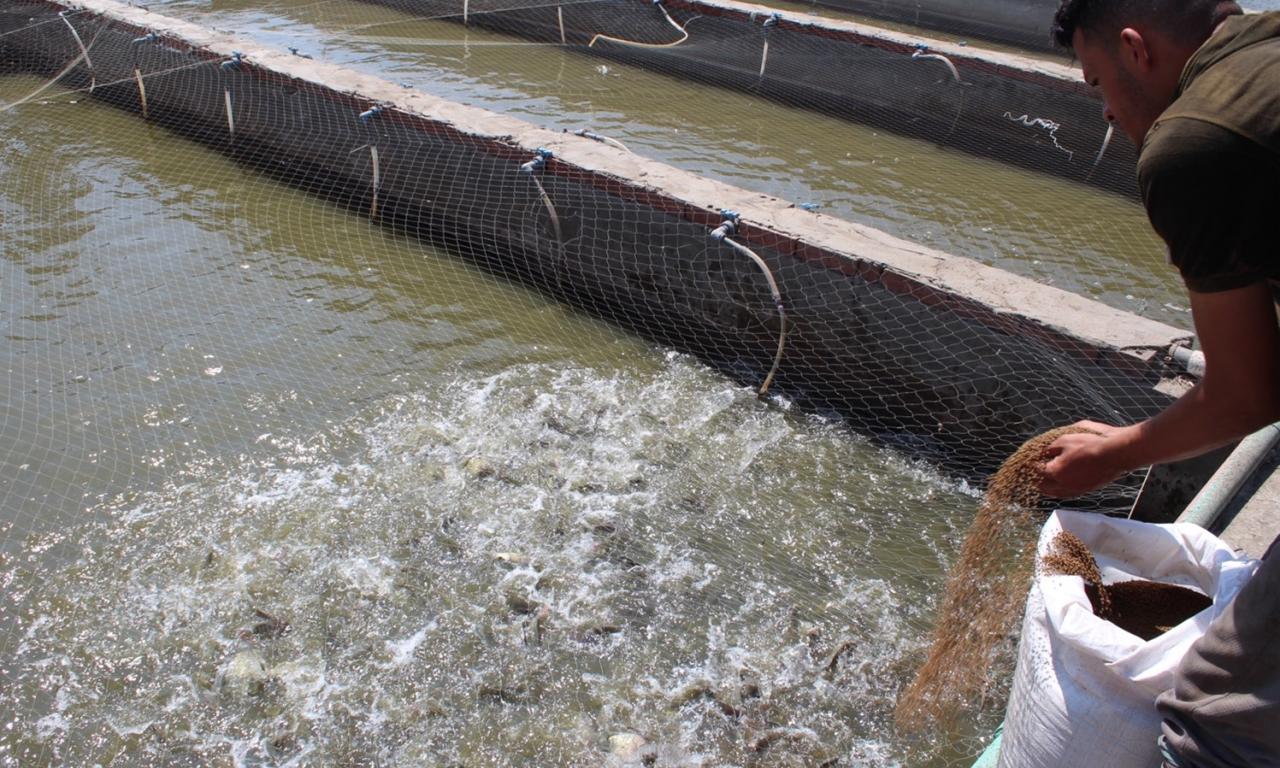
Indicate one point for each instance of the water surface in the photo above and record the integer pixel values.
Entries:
(278, 488)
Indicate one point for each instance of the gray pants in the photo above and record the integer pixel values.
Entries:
(1224, 708)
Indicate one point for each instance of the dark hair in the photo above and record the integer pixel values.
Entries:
(1187, 19)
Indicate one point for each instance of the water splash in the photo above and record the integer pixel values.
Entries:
(503, 571)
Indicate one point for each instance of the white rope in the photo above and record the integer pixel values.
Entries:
(1049, 126)
(684, 35)
(920, 55)
(84, 52)
(44, 87)
(777, 302)
(74, 91)
(231, 120)
(142, 91)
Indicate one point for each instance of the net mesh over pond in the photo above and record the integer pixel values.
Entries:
(295, 469)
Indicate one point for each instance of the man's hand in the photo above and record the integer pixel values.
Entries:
(1082, 461)
(1240, 392)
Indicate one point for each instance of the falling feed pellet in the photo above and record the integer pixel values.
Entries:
(984, 596)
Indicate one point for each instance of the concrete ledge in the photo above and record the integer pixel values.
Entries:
(953, 361)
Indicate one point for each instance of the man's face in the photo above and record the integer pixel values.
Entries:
(1104, 65)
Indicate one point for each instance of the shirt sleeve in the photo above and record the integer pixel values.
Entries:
(1213, 197)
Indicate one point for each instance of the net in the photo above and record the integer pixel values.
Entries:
(324, 443)
(883, 164)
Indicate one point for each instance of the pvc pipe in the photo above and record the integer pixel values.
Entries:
(1191, 360)
(1218, 492)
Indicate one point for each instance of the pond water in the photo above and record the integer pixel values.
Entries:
(279, 488)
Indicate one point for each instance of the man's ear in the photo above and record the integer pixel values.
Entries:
(1134, 50)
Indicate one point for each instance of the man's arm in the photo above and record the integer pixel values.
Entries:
(1240, 393)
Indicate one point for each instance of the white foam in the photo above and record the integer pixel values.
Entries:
(402, 651)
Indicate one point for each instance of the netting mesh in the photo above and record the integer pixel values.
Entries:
(310, 455)
(1063, 234)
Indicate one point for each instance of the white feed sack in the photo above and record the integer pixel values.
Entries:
(1084, 690)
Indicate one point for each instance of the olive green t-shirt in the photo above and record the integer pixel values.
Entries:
(1209, 168)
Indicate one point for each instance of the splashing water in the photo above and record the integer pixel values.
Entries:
(524, 568)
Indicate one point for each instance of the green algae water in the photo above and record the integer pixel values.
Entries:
(278, 489)
(1056, 232)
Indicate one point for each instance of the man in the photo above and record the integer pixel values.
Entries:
(1196, 86)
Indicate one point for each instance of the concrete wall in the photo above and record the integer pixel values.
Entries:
(949, 359)
(850, 70)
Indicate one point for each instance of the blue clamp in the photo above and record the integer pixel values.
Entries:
(539, 161)
(728, 226)
(150, 37)
(236, 58)
(370, 113)
(811, 206)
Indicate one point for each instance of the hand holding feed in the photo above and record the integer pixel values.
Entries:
(1081, 462)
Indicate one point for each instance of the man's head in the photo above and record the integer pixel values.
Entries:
(1134, 50)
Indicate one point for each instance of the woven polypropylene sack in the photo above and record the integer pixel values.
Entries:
(1084, 689)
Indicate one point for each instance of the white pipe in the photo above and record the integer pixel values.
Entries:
(1191, 360)
(1226, 483)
